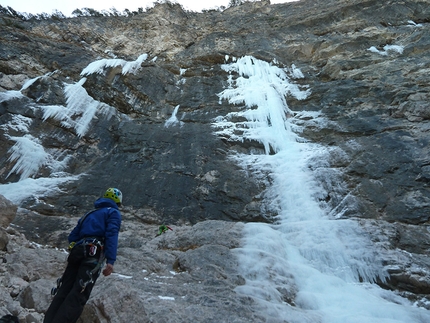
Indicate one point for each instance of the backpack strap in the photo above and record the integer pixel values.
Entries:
(84, 217)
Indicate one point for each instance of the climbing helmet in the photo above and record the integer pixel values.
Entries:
(114, 194)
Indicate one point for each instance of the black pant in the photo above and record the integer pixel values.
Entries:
(69, 302)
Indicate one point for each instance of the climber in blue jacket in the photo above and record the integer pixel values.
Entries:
(91, 242)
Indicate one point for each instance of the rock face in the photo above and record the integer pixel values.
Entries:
(7, 211)
(151, 134)
(188, 273)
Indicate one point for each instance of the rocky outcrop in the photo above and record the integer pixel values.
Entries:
(189, 272)
(366, 64)
(7, 210)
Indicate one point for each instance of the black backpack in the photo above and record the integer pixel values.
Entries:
(9, 319)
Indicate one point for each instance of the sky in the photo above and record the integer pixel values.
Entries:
(66, 7)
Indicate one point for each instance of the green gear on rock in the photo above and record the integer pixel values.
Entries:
(163, 228)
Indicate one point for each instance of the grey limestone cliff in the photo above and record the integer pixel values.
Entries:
(366, 65)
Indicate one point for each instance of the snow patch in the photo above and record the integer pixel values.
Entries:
(122, 276)
(387, 50)
(9, 95)
(412, 23)
(35, 188)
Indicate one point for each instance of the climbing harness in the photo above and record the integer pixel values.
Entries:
(90, 273)
(163, 228)
(93, 248)
(54, 290)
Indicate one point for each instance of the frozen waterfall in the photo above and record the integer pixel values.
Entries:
(307, 266)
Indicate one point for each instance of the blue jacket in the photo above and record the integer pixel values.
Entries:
(105, 222)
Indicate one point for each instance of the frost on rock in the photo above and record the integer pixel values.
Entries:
(98, 67)
(29, 155)
(80, 110)
(18, 123)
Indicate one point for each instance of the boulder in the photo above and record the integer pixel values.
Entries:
(36, 295)
(4, 239)
(7, 211)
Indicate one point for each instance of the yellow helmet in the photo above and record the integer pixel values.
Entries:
(114, 194)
